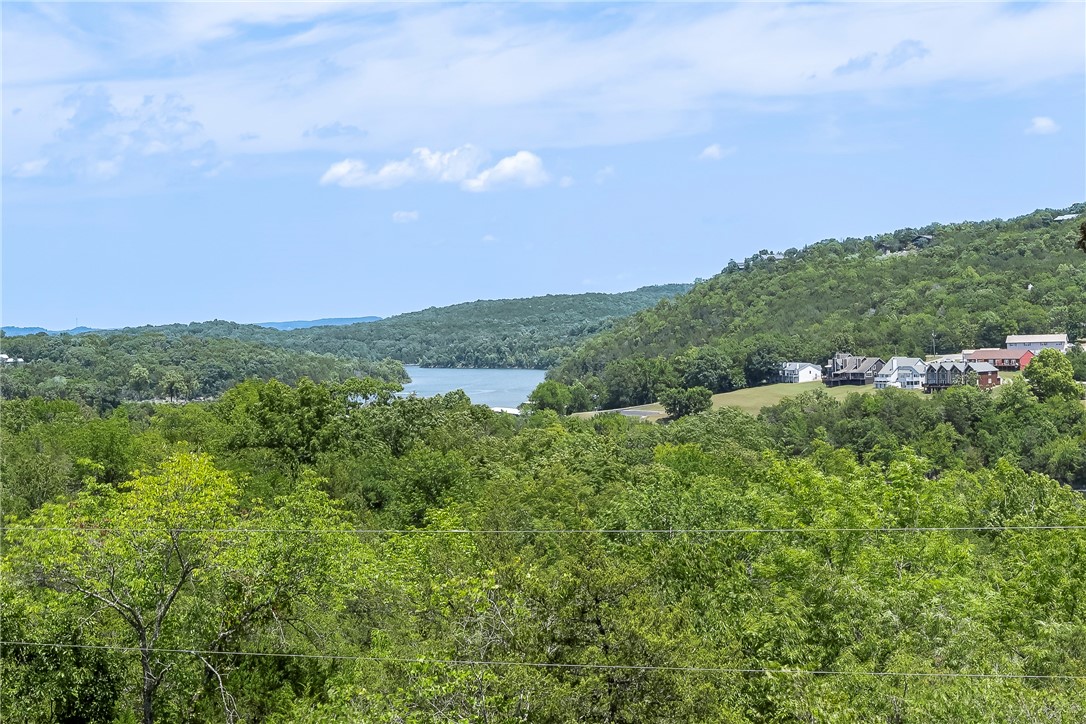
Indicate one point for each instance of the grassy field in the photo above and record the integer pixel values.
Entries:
(753, 399)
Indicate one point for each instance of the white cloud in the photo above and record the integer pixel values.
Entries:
(29, 169)
(521, 169)
(405, 217)
(565, 182)
(490, 238)
(461, 165)
(715, 152)
(604, 173)
(422, 165)
(1042, 125)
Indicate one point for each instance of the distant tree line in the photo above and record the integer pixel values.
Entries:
(529, 333)
(106, 370)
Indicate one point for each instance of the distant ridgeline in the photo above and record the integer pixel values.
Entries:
(530, 333)
(965, 285)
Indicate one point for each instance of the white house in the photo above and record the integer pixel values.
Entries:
(795, 372)
(1037, 342)
(906, 373)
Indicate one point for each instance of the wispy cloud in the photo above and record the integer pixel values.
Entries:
(405, 217)
(442, 73)
(856, 65)
(29, 169)
(903, 52)
(461, 165)
(334, 130)
(715, 152)
(1041, 126)
(101, 138)
(604, 174)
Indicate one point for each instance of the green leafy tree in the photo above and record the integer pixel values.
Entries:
(1050, 374)
(173, 384)
(139, 378)
(679, 402)
(1077, 357)
(551, 395)
(170, 563)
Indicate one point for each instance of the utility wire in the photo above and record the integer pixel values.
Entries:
(553, 665)
(547, 531)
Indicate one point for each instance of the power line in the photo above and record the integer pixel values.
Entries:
(555, 665)
(550, 531)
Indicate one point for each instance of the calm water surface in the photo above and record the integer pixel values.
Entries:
(494, 388)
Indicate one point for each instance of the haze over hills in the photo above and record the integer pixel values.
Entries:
(19, 331)
(329, 322)
(297, 324)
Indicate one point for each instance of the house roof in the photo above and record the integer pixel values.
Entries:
(1000, 352)
(862, 364)
(1019, 338)
(796, 366)
(962, 366)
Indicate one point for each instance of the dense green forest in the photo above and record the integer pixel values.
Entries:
(945, 287)
(331, 553)
(531, 333)
(104, 370)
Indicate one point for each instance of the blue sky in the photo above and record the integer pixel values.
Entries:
(259, 161)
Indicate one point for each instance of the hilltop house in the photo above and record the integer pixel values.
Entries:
(845, 369)
(795, 372)
(906, 373)
(1037, 342)
(941, 375)
(1002, 359)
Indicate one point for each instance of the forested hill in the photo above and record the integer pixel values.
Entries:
(970, 284)
(533, 332)
(105, 370)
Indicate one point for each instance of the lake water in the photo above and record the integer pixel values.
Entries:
(493, 388)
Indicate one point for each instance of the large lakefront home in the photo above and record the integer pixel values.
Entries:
(1037, 342)
(906, 373)
(1002, 359)
(846, 369)
(796, 372)
(941, 375)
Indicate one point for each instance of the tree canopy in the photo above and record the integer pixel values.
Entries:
(330, 552)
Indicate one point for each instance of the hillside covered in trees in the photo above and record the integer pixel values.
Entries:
(330, 553)
(103, 370)
(532, 333)
(944, 287)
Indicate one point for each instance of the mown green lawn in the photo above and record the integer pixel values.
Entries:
(753, 399)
